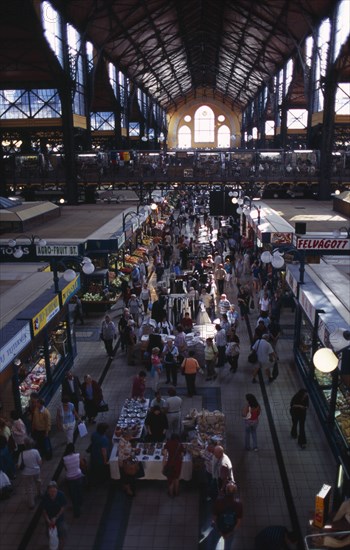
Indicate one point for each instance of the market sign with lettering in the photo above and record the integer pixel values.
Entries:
(57, 250)
(71, 289)
(45, 315)
(311, 243)
(12, 348)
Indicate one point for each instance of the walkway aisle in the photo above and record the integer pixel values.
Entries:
(158, 522)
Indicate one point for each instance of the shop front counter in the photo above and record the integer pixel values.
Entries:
(152, 463)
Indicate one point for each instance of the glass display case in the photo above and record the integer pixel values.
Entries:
(59, 338)
(33, 374)
(342, 404)
(305, 342)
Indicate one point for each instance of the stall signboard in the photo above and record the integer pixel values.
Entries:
(281, 238)
(14, 346)
(45, 315)
(121, 240)
(307, 306)
(292, 282)
(322, 243)
(57, 250)
(128, 233)
(71, 289)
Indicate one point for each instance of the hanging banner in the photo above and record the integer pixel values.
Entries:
(45, 315)
(12, 348)
(307, 306)
(71, 289)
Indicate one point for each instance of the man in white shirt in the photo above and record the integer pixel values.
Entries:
(221, 341)
(173, 410)
(222, 471)
(266, 355)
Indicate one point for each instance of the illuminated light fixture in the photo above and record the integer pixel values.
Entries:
(266, 257)
(18, 252)
(325, 360)
(338, 232)
(69, 275)
(87, 268)
(239, 210)
(154, 206)
(144, 138)
(277, 261)
(234, 200)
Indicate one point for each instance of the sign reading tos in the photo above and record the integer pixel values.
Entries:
(310, 243)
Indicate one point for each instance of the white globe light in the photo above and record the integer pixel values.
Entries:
(18, 253)
(88, 268)
(41, 242)
(240, 201)
(86, 260)
(234, 200)
(69, 275)
(325, 360)
(239, 210)
(266, 257)
(12, 242)
(277, 262)
(154, 206)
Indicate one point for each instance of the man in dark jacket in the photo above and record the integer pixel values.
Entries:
(71, 388)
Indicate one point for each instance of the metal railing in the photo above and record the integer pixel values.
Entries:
(316, 541)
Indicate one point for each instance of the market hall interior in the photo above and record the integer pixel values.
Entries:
(123, 125)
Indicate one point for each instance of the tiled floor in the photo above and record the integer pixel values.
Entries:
(154, 520)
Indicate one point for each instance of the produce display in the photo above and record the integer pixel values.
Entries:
(36, 379)
(95, 293)
(209, 425)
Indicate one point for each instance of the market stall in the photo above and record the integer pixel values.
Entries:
(323, 306)
(151, 456)
(43, 348)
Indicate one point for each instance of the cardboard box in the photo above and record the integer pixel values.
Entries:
(322, 506)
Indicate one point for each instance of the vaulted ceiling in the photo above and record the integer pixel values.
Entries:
(172, 48)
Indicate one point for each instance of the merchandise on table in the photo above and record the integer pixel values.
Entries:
(132, 418)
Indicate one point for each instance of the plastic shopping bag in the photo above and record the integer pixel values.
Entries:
(82, 429)
(53, 538)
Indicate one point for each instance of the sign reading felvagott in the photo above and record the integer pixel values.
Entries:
(57, 250)
(311, 243)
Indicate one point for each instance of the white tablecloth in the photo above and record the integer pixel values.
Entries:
(153, 468)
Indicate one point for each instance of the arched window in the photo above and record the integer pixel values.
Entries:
(224, 136)
(184, 137)
(204, 125)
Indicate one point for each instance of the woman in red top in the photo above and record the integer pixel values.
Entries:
(139, 385)
(174, 452)
(251, 413)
